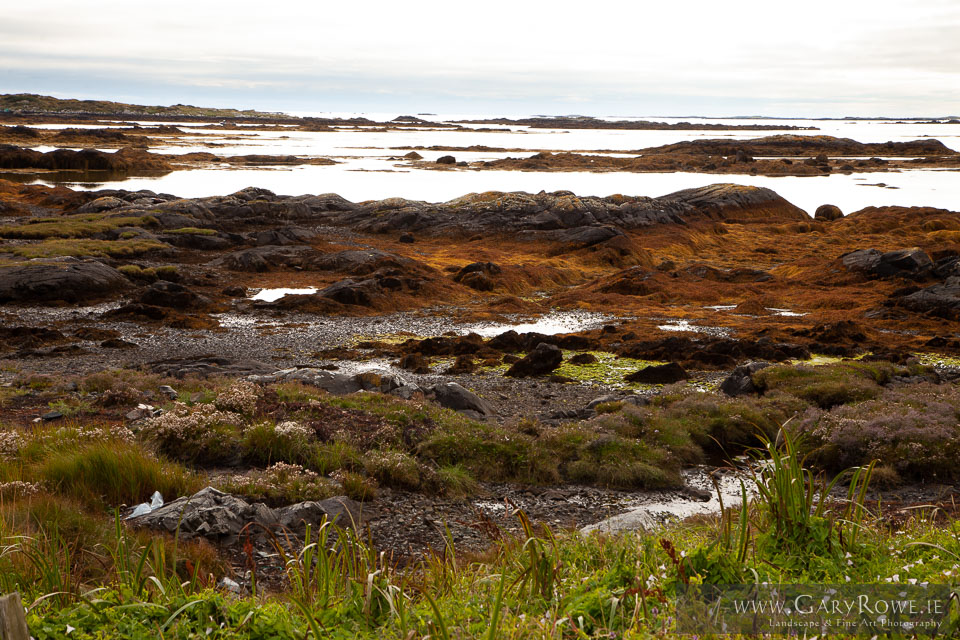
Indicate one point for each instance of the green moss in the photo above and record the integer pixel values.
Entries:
(85, 248)
(80, 226)
(195, 231)
(607, 370)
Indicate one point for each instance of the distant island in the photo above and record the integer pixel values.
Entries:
(24, 103)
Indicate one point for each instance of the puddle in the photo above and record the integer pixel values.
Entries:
(550, 324)
(785, 313)
(272, 295)
(686, 325)
(659, 507)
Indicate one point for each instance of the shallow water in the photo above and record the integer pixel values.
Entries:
(656, 508)
(272, 295)
(366, 171)
(549, 324)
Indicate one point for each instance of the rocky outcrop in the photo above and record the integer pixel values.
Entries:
(941, 300)
(210, 513)
(268, 257)
(542, 360)
(126, 160)
(69, 280)
(903, 263)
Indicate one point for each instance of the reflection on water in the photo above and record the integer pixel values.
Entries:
(83, 180)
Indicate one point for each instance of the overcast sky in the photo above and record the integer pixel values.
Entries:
(678, 57)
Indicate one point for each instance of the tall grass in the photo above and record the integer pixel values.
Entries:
(115, 473)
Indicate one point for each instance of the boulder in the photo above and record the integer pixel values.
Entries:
(903, 263)
(542, 360)
(659, 374)
(446, 160)
(828, 213)
(68, 280)
(210, 513)
(453, 396)
(740, 380)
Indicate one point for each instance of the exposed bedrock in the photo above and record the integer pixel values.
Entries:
(559, 216)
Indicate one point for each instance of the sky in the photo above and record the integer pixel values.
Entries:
(631, 58)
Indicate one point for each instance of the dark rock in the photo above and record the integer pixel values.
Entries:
(941, 300)
(268, 257)
(452, 396)
(903, 263)
(51, 415)
(542, 360)
(446, 160)
(362, 293)
(172, 295)
(284, 236)
(235, 292)
(659, 374)
(407, 238)
(583, 358)
(740, 380)
(828, 213)
(68, 280)
(361, 262)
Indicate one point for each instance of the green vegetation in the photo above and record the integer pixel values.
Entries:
(194, 231)
(85, 248)
(74, 226)
(535, 584)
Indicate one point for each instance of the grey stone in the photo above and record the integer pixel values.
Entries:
(214, 514)
(453, 396)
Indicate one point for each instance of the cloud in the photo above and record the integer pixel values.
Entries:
(881, 56)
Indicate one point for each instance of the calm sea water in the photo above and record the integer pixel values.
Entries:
(366, 170)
